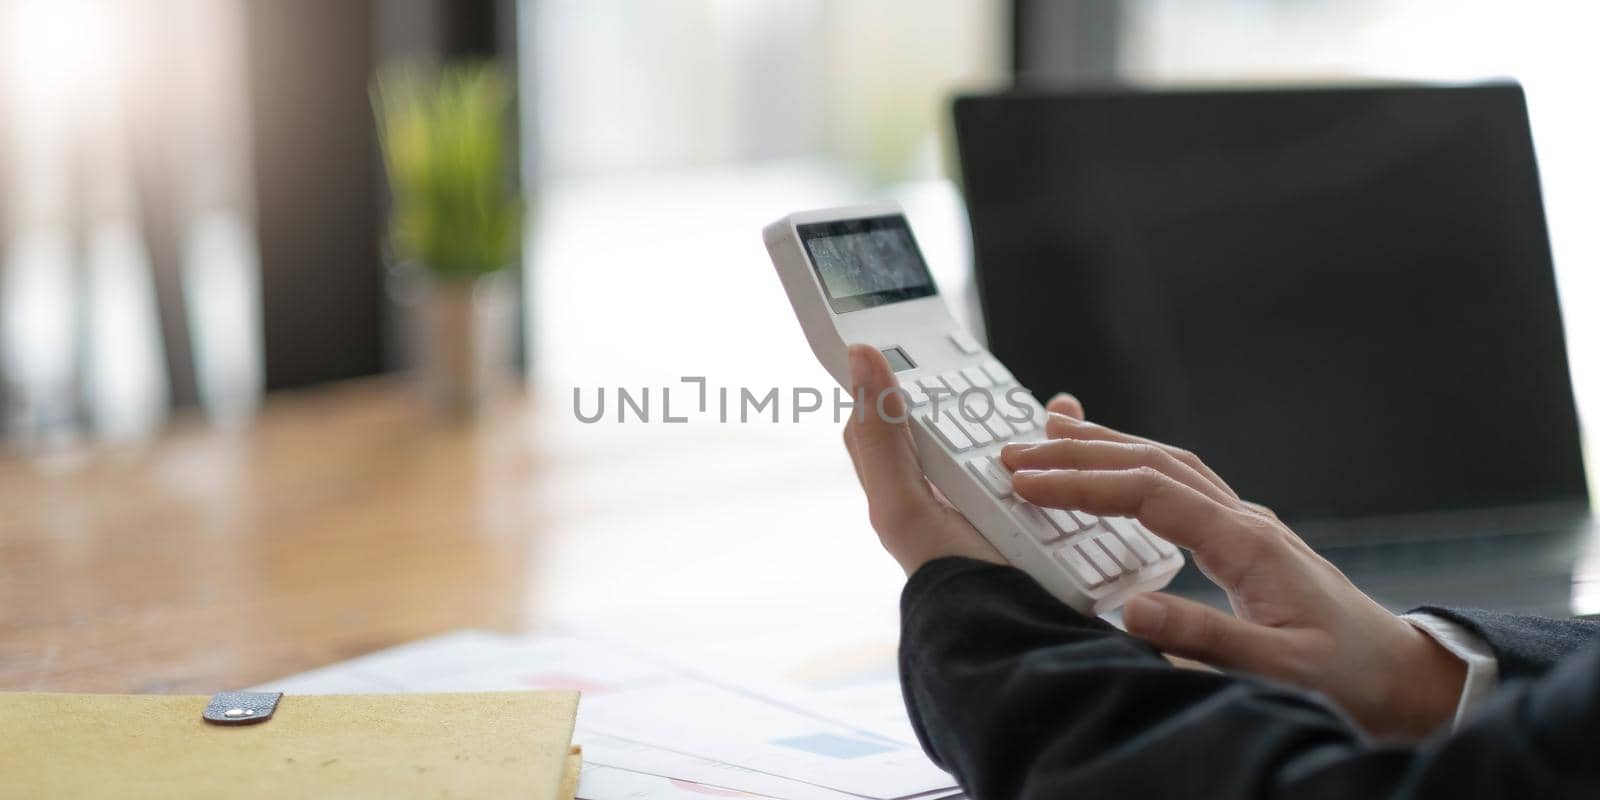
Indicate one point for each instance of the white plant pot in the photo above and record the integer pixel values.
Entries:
(465, 333)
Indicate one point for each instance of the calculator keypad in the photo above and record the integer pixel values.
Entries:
(1095, 550)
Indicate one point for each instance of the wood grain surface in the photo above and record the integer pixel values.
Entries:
(342, 521)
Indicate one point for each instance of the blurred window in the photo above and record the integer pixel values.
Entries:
(667, 134)
(128, 260)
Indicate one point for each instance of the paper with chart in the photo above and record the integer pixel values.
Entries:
(672, 715)
(620, 784)
(631, 698)
(840, 665)
(601, 782)
(600, 749)
(644, 716)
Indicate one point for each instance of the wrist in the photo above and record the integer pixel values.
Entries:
(944, 536)
(1429, 685)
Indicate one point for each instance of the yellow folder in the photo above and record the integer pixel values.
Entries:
(477, 745)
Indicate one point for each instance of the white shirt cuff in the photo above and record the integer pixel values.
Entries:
(1483, 672)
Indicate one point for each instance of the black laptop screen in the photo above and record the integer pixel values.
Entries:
(1342, 299)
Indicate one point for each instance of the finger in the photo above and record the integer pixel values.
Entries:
(1065, 404)
(1225, 545)
(1260, 509)
(1091, 454)
(1194, 630)
(1291, 537)
(1063, 426)
(880, 447)
(1188, 663)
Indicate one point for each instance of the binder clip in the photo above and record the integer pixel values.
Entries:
(241, 708)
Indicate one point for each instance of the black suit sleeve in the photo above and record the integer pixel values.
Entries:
(1524, 647)
(1021, 697)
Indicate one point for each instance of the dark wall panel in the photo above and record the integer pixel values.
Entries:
(1065, 42)
(318, 177)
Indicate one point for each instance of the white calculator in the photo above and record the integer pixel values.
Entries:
(855, 275)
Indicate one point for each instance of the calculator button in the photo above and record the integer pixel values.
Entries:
(1100, 559)
(1023, 425)
(957, 383)
(997, 371)
(964, 342)
(998, 426)
(1033, 521)
(915, 394)
(1162, 547)
(980, 409)
(1035, 413)
(991, 475)
(1131, 535)
(1086, 518)
(977, 377)
(1118, 551)
(1001, 473)
(1023, 435)
(1063, 521)
(977, 403)
(936, 390)
(943, 424)
(1079, 566)
(975, 431)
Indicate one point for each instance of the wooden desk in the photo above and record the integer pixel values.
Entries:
(342, 521)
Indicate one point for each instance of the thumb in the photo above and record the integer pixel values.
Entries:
(880, 444)
(1194, 630)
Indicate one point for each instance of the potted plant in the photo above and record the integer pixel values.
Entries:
(455, 224)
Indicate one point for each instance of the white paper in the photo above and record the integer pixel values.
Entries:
(600, 782)
(693, 717)
(839, 666)
(601, 749)
(629, 697)
(649, 717)
(396, 669)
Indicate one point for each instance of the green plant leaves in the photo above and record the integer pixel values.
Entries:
(447, 145)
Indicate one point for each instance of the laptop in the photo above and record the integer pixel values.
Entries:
(1341, 298)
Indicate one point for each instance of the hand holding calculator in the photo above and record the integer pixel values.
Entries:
(855, 275)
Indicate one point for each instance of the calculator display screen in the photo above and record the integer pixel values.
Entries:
(866, 262)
